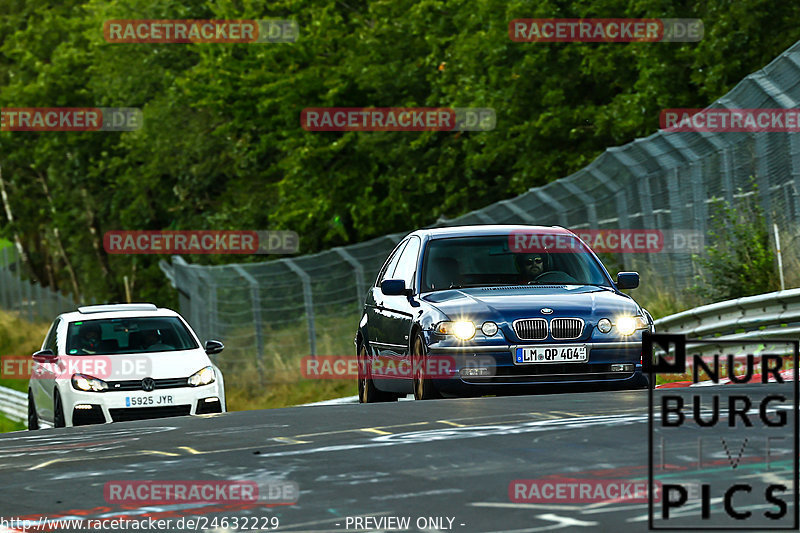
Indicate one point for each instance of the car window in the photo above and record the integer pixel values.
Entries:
(407, 265)
(128, 335)
(388, 269)
(51, 341)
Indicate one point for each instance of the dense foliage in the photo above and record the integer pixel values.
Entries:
(739, 259)
(222, 146)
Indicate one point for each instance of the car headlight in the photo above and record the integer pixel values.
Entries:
(627, 325)
(88, 383)
(463, 329)
(604, 325)
(202, 377)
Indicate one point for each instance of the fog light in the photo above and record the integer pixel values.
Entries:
(474, 371)
(83, 406)
(489, 329)
(209, 400)
(622, 368)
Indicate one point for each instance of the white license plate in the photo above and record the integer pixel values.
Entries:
(571, 353)
(154, 400)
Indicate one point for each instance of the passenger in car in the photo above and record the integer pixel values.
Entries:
(152, 341)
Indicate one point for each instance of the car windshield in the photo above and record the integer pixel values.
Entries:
(128, 335)
(496, 260)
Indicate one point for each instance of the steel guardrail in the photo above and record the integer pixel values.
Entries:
(764, 317)
(13, 404)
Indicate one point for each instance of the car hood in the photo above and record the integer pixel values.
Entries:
(121, 367)
(510, 303)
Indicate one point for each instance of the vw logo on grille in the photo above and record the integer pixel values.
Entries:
(148, 384)
(547, 311)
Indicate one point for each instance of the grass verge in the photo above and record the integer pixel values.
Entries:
(7, 425)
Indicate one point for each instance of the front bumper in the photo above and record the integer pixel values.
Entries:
(120, 406)
(613, 363)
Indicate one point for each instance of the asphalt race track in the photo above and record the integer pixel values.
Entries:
(447, 462)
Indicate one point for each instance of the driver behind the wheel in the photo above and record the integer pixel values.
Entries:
(89, 338)
(530, 266)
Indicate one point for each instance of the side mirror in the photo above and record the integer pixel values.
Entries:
(213, 347)
(627, 280)
(394, 287)
(44, 356)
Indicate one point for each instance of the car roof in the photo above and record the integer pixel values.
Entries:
(488, 229)
(97, 312)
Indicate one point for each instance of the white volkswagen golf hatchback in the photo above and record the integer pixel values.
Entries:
(111, 363)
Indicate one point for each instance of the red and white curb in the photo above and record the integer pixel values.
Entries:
(755, 378)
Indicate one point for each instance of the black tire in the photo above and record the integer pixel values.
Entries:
(367, 392)
(33, 418)
(423, 386)
(58, 412)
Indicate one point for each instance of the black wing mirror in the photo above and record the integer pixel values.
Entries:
(213, 347)
(44, 356)
(627, 280)
(395, 287)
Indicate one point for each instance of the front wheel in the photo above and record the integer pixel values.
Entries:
(423, 386)
(33, 418)
(367, 391)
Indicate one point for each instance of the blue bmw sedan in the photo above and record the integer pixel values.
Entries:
(482, 310)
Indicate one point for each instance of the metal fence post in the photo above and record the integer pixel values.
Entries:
(621, 202)
(588, 201)
(4, 275)
(762, 177)
(29, 291)
(521, 213)
(308, 302)
(698, 197)
(358, 271)
(255, 302)
(39, 303)
(19, 285)
(549, 200)
(727, 175)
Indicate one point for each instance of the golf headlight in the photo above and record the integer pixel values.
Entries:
(463, 329)
(604, 325)
(202, 377)
(627, 325)
(88, 383)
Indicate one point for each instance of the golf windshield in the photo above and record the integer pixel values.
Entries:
(128, 335)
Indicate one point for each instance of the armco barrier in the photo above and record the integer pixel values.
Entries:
(13, 404)
(774, 315)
